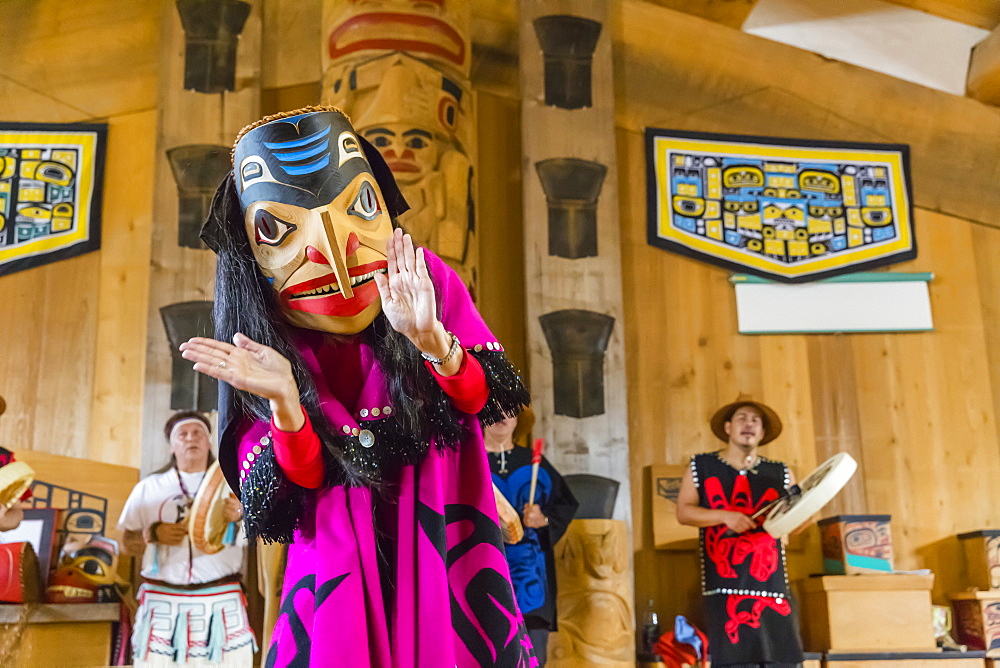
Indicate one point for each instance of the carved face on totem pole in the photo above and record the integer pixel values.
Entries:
(595, 613)
(315, 217)
(400, 68)
(410, 112)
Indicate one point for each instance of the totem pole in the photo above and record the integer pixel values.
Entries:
(400, 70)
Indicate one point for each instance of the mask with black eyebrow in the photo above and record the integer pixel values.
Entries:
(317, 216)
(305, 160)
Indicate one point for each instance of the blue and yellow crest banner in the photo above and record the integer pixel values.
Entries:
(790, 210)
(51, 177)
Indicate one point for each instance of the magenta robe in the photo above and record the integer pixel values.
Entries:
(409, 573)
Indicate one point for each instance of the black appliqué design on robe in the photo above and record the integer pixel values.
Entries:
(487, 597)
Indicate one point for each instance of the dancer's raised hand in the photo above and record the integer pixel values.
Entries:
(409, 302)
(407, 291)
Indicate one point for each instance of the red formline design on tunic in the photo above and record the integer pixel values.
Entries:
(751, 617)
(725, 551)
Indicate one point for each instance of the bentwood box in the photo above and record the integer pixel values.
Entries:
(855, 544)
(977, 620)
(982, 558)
(867, 613)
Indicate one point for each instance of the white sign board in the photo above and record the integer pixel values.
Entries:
(875, 302)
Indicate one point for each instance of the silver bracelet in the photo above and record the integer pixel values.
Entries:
(455, 345)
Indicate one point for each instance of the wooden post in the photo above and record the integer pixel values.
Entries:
(594, 569)
(179, 273)
(571, 237)
(401, 72)
(573, 283)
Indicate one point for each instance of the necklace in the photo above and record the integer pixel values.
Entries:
(189, 500)
(188, 496)
(749, 463)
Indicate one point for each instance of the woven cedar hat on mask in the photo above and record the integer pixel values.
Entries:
(772, 423)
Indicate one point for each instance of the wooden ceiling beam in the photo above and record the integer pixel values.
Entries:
(979, 13)
(676, 71)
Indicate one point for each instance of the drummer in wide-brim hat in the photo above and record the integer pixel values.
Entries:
(720, 491)
(770, 422)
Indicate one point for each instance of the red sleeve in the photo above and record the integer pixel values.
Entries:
(467, 388)
(298, 454)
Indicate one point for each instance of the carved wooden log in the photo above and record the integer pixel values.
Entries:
(594, 572)
(571, 237)
(401, 71)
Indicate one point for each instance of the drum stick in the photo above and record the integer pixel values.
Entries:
(768, 507)
(536, 459)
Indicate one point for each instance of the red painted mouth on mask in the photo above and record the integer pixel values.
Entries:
(322, 295)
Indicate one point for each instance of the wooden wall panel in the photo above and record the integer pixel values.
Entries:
(986, 246)
(47, 371)
(292, 41)
(835, 414)
(919, 411)
(501, 239)
(123, 292)
(20, 364)
(66, 356)
(73, 379)
(95, 58)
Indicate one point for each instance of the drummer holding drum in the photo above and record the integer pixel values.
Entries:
(750, 619)
(192, 611)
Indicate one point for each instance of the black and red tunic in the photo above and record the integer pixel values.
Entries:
(744, 583)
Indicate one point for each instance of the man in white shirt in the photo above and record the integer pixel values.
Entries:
(199, 594)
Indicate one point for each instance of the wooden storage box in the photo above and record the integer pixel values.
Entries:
(976, 620)
(60, 634)
(668, 533)
(856, 544)
(908, 660)
(982, 558)
(867, 613)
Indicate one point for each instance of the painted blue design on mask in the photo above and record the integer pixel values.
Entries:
(304, 154)
(308, 168)
(295, 143)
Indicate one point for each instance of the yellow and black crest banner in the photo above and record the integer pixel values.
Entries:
(51, 178)
(790, 210)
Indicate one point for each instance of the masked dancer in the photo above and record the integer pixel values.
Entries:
(356, 376)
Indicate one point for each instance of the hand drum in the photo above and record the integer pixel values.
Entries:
(510, 523)
(208, 523)
(818, 489)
